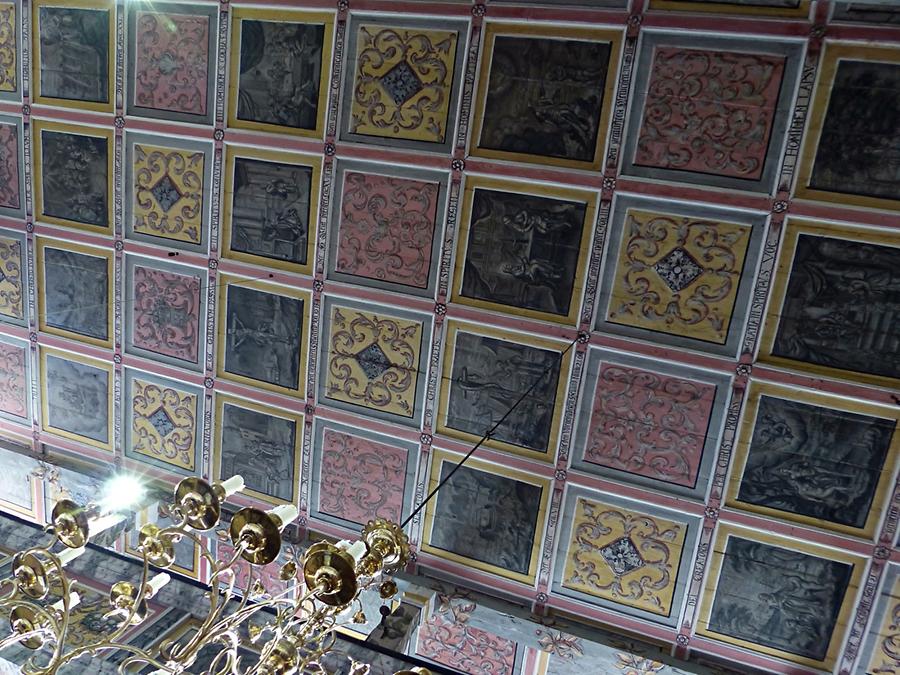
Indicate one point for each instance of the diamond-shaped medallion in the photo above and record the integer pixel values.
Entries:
(678, 269)
(162, 422)
(401, 83)
(622, 556)
(373, 361)
(165, 193)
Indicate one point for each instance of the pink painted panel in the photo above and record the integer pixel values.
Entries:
(9, 166)
(13, 387)
(465, 648)
(649, 424)
(166, 313)
(387, 228)
(171, 62)
(709, 111)
(361, 478)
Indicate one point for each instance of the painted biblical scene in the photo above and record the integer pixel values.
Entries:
(74, 53)
(264, 333)
(76, 292)
(814, 461)
(75, 177)
(523, 251)
(779, 598)
(487, 517)
(545, 97)
(270, 210)
(840, 306)
(857, 148)
(280, 73)
(77, 398)
(261, 448)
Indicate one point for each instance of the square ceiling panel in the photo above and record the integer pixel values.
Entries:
(545, 94)
(13, 273)
(12, 177)
(402, 82)
(624, 555)
(167, 193)
(15, 379)
(386, 226)
(649, 422)
(679, 273)
(710, 110)
(172, 61)
(10, 37)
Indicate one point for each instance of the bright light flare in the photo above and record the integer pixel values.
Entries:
(121, 492)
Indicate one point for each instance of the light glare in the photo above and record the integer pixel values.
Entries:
(122, 491)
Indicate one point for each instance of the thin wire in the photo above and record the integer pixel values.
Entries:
(486, 436)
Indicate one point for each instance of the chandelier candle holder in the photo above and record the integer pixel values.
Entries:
(291, 628)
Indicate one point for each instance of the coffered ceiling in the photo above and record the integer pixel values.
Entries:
(650, 245)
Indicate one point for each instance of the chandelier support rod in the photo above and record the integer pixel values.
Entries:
(487, 435)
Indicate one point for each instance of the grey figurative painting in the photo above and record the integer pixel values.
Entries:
(74, 54)
(281, 66)
(487, 517)
(814, 461)
(270, 209)
(840, 307)
(857, 150)
(489, 375)
(76, 292)
(779, 598)
(263, 336)
(259, 447)
(523, 250)
(545, 97)
(77, 398)
(75, 178)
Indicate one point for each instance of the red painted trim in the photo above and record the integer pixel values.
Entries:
(10, 428)
(389, 155)
(682, 505)
(529, 466)
(644, 629)
(163, 370)
(864, 33)
(157, 253)
(473, 575)
(800, 532)
(72, 235)
(748, 658)
(570, 177)
(256, 140)
(12, 224)
(339, 290)
(106, 120)
(281, 401)
(758, 25)
(721, 197)
(485, 317)
(384, 428)
(20, 332)
(715, 363)
(81, 450)
(582, 15)
(766, 373)
(849, 214)
(290, 279)
(10, 108)
(164, 128)
(73, 347)
(413, 8)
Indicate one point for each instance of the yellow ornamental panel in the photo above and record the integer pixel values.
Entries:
(164, 424)
(373, 360)
(678, 275)
(622, 556)
(9, 63)
(11, 302)
(403, 83)
(168, 193)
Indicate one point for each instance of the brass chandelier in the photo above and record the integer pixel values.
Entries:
(292, 629)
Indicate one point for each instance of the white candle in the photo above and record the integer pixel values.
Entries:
(74, 600)
(69, 555)
(357, 549)
(157, 583)
(232, 485)
(98, 525)
(286, 513)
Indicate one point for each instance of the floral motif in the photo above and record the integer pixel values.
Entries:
(387, 228)
(361, 478)
(166, 313)
(403, 82)
(168, 193)
(678, 275)
(566, 647)
(632, 664)
(886, 654)
(709, 111)
(626, 557)
(13, 386)
(465, 648)
(373, 361)
(9, 62)
(649, 424)
(172, 62)
(164, 423)
(11, 300)
(9, 163)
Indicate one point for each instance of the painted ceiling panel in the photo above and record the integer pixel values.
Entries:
(330, 247)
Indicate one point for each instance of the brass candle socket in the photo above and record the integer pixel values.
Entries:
(71, 522)
(24, 619)
(332, 570)
(160, 550)
(260, 534)
(123, 596)
(284, 659)
(388, 546)
(200, 502)
(32, 575)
